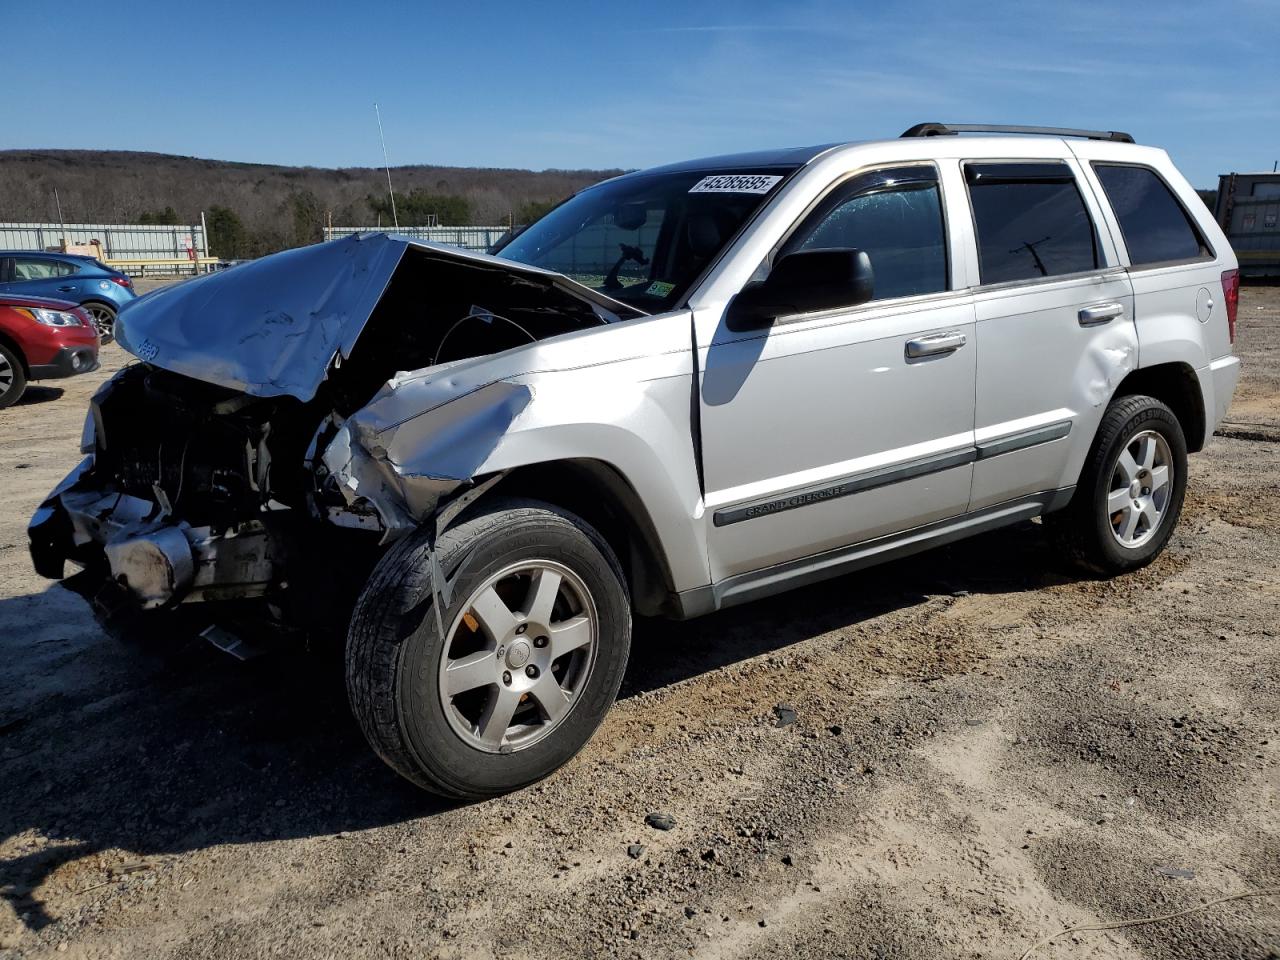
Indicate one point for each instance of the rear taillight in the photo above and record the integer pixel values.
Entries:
(1231, 297)
(123, 281)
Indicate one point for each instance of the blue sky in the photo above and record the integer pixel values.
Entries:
(631, 84)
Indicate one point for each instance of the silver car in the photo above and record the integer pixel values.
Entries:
(681, 389)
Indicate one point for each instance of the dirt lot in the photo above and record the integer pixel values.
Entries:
(988, 748)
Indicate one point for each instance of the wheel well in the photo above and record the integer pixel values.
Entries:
(1176, 386)
(17, 352)
(600, 495)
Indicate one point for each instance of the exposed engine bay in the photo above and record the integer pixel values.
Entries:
(196, 490)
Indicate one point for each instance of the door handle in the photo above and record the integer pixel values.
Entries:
(1103, 313)
(935, 345)
(67, 289)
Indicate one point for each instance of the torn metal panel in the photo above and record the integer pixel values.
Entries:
(362, 477)
(273, 326)
(402, 458)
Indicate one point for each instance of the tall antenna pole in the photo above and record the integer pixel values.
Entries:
(386, 163)
(58, 201)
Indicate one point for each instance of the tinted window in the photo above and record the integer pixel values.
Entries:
(895, 216)
(1154, 224)
(1031, 221)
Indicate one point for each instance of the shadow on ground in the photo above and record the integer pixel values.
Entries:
(35, 394)
(174, 747)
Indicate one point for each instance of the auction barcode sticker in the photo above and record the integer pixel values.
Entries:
(735, 183)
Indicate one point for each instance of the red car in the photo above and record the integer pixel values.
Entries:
(42, 339)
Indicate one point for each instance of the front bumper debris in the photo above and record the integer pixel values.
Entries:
(136, 546)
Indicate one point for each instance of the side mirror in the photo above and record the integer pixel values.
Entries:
(804, 282)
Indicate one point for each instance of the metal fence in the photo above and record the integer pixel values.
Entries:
(118, 241)
(470, 238)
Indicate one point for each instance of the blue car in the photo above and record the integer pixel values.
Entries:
(66, 276)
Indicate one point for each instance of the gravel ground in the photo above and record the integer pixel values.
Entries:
(986, 748)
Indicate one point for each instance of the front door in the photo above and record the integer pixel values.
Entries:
(830, 429)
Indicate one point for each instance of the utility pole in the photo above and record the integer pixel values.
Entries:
(204, 238)
(58, 202)
(386, 163)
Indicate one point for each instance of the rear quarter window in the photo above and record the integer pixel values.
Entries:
(1031, 221)
(1155, 226)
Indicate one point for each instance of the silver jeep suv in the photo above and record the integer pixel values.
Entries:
(681, 389)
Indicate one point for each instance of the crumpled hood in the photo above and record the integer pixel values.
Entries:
(272, 327)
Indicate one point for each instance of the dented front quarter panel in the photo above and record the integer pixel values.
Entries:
(617, 394)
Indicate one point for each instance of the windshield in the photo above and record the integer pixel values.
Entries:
(644, 239)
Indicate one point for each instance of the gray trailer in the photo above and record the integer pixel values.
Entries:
(1248, 210)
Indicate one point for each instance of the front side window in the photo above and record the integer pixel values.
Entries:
(1031, 221)
(895, 217)
(1155, 226)
(644, 239)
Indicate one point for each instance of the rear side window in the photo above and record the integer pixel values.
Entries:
(1156, 227)
(895, 216)
(1031, 221)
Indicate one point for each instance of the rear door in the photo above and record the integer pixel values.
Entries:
(1055, 330)
(1177, 279)
(829, 429)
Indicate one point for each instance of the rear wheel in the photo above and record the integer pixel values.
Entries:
(534, 644)
(104, 320)
(13, 380)
(1131, 490)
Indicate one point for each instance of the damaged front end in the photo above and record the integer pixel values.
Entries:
(258, 456)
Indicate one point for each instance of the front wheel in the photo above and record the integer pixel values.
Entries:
(534, 644)
(13, 379)
(1131, 489)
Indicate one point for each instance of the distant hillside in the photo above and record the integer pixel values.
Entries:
(259, 207)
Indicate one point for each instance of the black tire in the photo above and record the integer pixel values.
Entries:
(104, 319)
(13, 378)
(394, 646)
(1085, 528)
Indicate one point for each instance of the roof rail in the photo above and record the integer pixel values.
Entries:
(948, 129)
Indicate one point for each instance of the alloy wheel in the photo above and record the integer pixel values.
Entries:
(518, 656)
(103, 321)
(1140, 490)
(6, 375)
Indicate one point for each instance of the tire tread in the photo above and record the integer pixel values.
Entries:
(1075, 526)
(378, 627)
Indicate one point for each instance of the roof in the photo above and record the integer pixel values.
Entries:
(793, 157)
(44, 253)
(789, 157)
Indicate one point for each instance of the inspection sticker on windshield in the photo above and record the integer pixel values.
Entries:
(735, 183)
